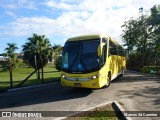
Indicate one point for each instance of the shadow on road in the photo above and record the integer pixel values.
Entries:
(130, 77)
(150, 89)
(47, 94)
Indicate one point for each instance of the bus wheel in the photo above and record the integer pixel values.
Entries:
(122, 73)
(108, 80)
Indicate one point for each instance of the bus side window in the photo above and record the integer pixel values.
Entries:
(104, 53)
(112, 49)
(121, 51)
(103, 56)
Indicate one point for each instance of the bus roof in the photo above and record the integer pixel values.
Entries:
(92, 36)
(85, 37)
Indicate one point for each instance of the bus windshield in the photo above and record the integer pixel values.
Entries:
(80, 56)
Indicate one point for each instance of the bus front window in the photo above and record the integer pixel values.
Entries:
(80, 56)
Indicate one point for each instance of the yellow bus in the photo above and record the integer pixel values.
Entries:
(91, 61)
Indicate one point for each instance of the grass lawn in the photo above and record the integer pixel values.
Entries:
(106, 112)
(50, 75)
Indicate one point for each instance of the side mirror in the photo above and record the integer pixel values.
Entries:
(100, 49)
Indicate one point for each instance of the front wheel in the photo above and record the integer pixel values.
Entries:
(108, 80)
(122, 73)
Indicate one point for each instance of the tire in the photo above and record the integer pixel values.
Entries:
(108, 80)
(122, 74)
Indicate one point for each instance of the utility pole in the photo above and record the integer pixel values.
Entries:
(10, 71)
(142, 60)
(35, 60)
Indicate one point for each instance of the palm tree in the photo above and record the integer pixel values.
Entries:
(55, 46)
(12, 47)
(10, 52)
(11, 63)
(37, 50)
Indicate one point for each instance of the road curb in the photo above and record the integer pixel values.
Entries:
(30, 87)
(120, 108)
(115, 103)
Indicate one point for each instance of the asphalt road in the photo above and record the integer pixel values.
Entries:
(133, 91)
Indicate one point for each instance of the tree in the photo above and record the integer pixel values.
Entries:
(52, 56)
(137, 35)
(58, 57)
(142, 35)
(132, 39)
(12, 47)
(37, 51)
(55, 46)
(155, 23)
(131, 33)
(12, 61)
(12, 57)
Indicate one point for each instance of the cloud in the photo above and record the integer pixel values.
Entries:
(20, 4)
(10, 13)
(79, 5)
(25, 26)
(59, 5)
(80, 17)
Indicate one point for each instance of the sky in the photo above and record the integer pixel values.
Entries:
(62, 19)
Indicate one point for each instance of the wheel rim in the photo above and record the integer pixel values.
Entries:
(108, 80)
(122, 72)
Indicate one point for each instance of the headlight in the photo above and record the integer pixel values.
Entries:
(63, 76)
(94, 77)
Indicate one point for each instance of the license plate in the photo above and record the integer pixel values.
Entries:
(77, 84)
